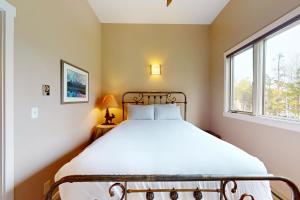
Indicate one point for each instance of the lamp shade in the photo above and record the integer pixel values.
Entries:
(109, 101)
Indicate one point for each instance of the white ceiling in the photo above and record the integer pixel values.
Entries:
(156, 12)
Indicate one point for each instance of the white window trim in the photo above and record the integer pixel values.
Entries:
(7, 133)
(257, 90)
(274, 122)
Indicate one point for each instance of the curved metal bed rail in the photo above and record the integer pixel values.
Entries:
(224, 180)
(145, 97)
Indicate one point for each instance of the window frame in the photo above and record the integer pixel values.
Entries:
(231, 94)
(257, 41)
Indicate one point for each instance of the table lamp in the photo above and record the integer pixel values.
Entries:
(109, 101)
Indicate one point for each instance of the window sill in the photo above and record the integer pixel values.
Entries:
(278, 123)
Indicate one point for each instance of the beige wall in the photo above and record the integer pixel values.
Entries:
(1, 84)
(278, 148)
(47, 31)
(128, 50)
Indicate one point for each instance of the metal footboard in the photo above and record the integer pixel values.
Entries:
(122, 180)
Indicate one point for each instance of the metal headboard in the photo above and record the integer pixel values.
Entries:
(143, 97)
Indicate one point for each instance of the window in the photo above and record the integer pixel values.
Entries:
(282, 74)
(241, 81)
(262, 76)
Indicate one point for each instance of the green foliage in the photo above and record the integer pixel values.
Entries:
(243, 95)
(281, 91)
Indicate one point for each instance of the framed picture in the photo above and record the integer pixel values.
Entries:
(74, 84)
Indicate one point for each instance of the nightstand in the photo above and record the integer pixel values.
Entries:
(101, 129)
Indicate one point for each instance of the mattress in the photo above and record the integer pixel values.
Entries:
(169, 147)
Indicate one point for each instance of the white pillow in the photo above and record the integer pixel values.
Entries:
(164, 105)
(167, 112)
(140, 112)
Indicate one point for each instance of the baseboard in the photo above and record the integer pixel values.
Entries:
(277, 195)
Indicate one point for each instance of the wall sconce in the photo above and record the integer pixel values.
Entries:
(155, 69)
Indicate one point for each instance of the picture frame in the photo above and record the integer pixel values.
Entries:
(74, 84)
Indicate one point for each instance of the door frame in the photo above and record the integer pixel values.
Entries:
(7, 132)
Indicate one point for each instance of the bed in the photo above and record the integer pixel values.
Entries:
(163, 159)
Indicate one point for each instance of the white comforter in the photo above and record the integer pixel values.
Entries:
(160, 147)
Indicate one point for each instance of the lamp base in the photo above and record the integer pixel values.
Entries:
(108, 118)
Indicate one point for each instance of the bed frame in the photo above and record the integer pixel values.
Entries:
(228, 184)
(146, 98)
(122, 180)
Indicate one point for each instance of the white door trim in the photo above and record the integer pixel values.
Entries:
(7, 190)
